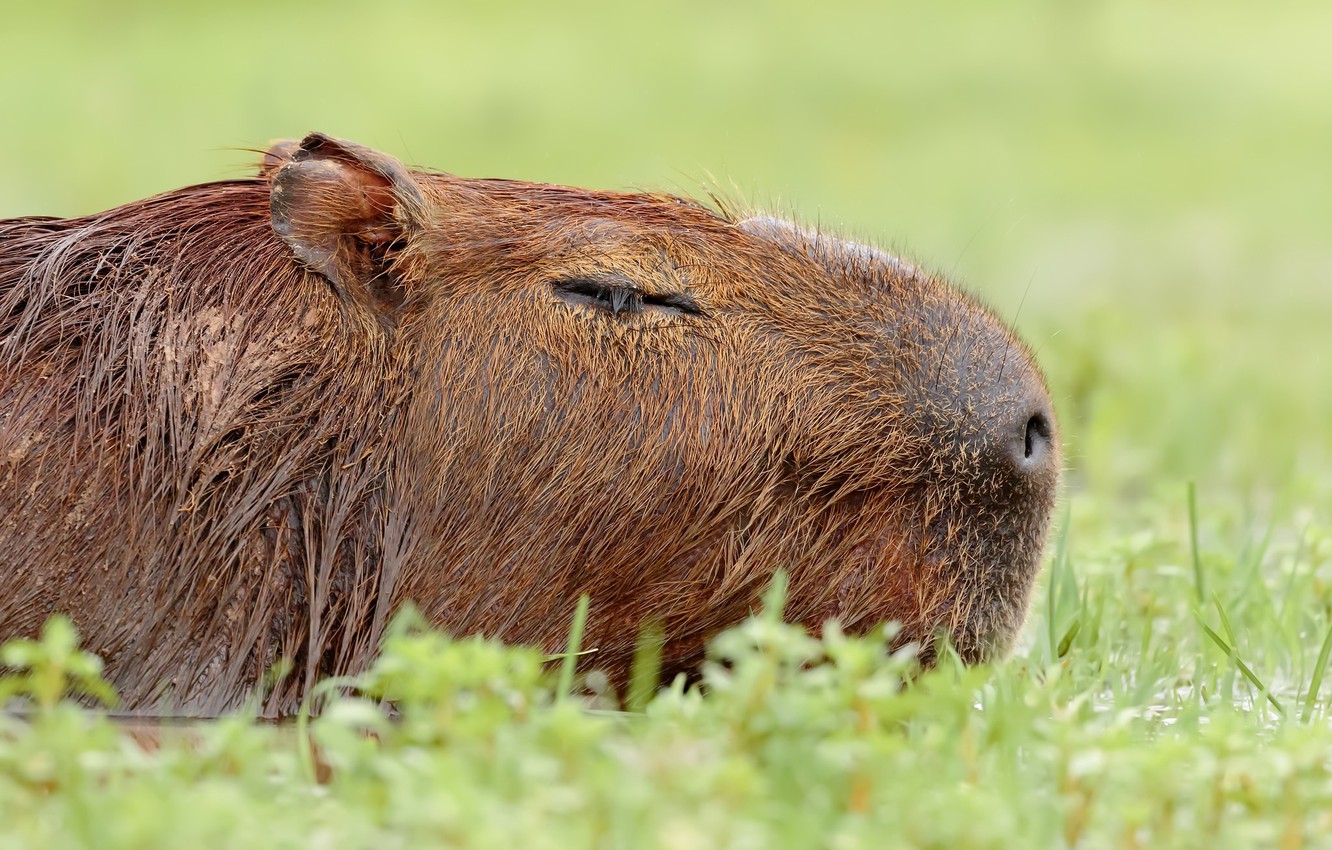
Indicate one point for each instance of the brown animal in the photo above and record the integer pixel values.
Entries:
(246, 420)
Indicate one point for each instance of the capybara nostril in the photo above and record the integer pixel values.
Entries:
(1036, 441)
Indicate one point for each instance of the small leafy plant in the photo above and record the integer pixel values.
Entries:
(47, 670)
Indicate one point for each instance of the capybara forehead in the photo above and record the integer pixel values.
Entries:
(545, 228)
(567, 214)
(514, 223)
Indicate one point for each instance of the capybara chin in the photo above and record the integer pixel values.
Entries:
(245, 421)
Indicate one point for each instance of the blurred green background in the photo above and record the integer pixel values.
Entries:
(1144, 188)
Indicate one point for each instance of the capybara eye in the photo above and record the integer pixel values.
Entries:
(613, 297)
(619, 296)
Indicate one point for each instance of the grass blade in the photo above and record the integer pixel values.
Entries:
(1239, 662)
(1316, 684)
(1199, 584)
(1052, 585)
(645, 674)
(570, 662)
(1225, 620)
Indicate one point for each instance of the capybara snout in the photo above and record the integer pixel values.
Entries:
(247, 420)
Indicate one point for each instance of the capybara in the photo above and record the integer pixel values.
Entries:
(244, 421)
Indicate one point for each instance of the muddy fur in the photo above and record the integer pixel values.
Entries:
(244, 421)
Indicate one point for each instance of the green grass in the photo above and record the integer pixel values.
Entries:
(1143, 187)
(1127, 723)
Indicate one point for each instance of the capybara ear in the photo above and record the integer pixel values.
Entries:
(279, 153)
(346, 210)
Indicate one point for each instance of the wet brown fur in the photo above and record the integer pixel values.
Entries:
(221, 446)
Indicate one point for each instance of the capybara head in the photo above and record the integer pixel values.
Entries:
(246, 420)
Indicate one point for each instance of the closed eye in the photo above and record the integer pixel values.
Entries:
(619, 296)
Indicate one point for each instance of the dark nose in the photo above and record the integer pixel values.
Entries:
(1031, 444)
